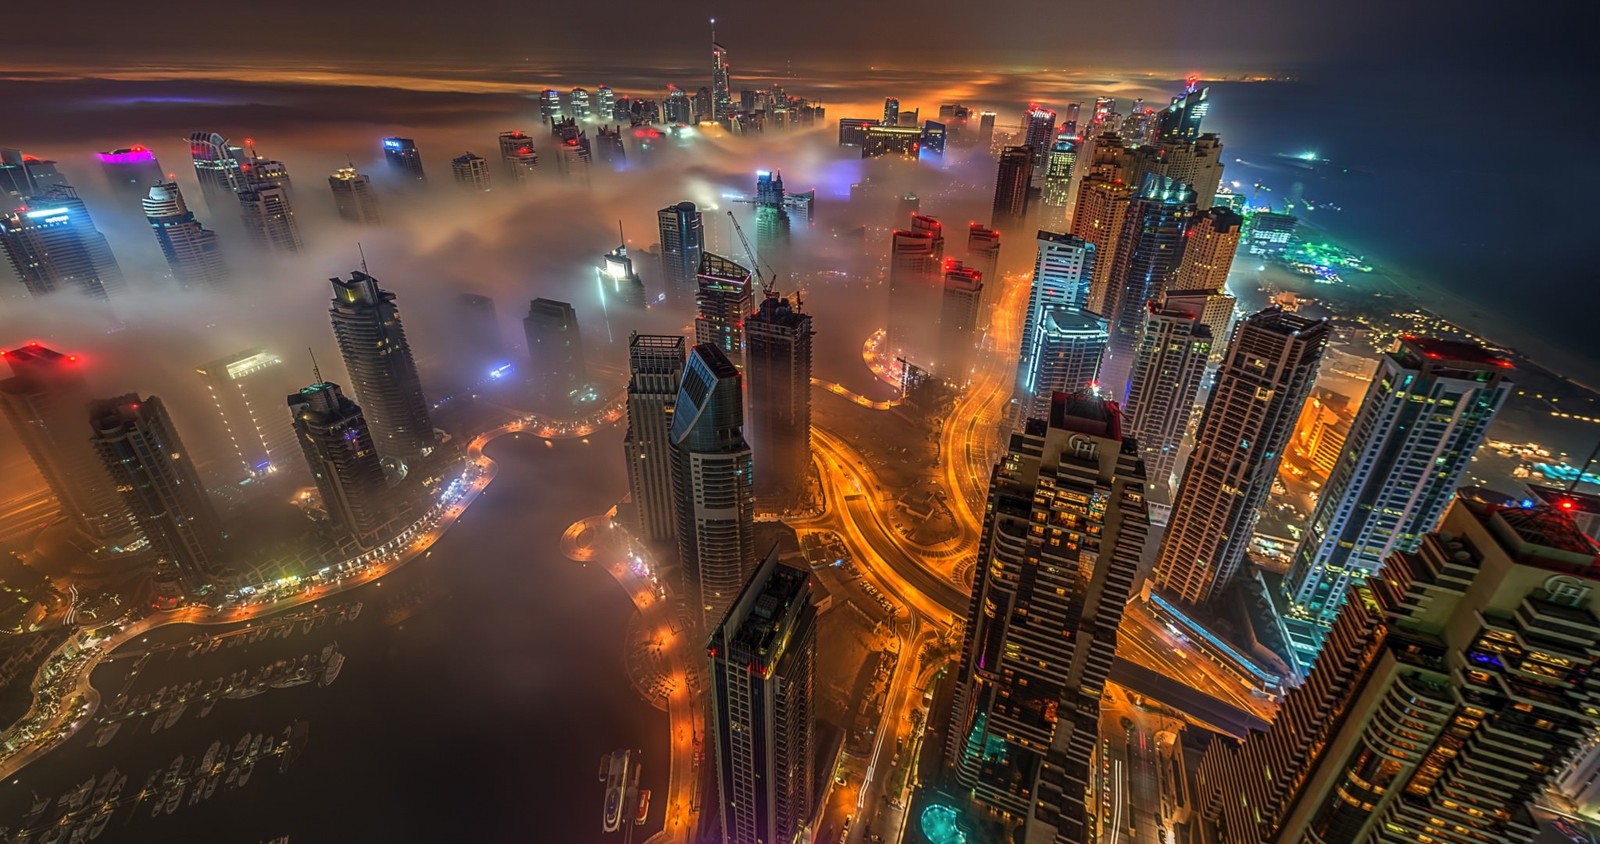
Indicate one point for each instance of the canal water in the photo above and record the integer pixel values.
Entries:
(480, 687)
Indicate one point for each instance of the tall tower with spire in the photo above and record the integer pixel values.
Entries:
(721, 91)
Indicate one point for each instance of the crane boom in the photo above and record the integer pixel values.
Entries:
(755, 265)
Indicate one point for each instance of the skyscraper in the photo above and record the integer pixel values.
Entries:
(655, 366)
(605, 102)
(1011, 185)
(404, 159)
(470, 171)
(1449, 695)
(217, 167)
(579, 99)
(352, 194)
(1041, 628)
(763, 656)
(572, 148)
(245, 389)
(1067, 349)
(676, 108)
(155, 476)
(372, 341)
(555, 348)
(269, 219)
(914, 289)
(722, 299)
(26, 175)
(45, 400)
(1425, 413)
(1181, 120)
(52, 244)
(958, 319)
(1270, 366)
(983, 252)
(1103, 196)
(130, 171)
(986, 129)
(1208, 255)
(477, 332)
(891, 111)
(518, 156)
(1149, 249)
(1060, 165)
(1215, 310)
(191, 250)
(1063, 267)
(712, 483)
(721, 88)
(777, 368)
(337, 446)
(1038, 130)
(618, 281)
(550, 106)
(1171, 358)
(683, 239)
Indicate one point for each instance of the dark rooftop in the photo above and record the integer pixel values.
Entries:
(1086, 413)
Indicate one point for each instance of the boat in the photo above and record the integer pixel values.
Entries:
(104, 787)
(296, 745)
(331, 673)
(211, 785)
(39, 805)
(616, 788)
(177, 712)
(173, 770)
(355, 610)
(247, 691)
(327, 651)
(195, 794)
(116, 789)
(75, 797)
(107, 733)
(173, 798)
(211, 702)
(255, 747)
(244, 771)
(644, 806)
(210, 760)
(99, 823)
(240, 747)
(605, 766)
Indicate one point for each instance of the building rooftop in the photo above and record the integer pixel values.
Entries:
(1086, 413)
(1540, 535)
(1460, 351)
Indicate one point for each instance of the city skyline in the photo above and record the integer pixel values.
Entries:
(702, 451)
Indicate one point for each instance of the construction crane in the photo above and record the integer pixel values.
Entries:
(771, 278)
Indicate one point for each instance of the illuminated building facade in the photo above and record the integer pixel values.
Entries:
(1213, 239)
(1149, 249)
(1181, 120)
(191, 250)
(403, 158)
(216, 166)
(52, 244)
(1264, 380)
(618, 282)
(904, 141)
(377, 357)
(712, 483)
(1216, 311)
(721, 86)
(605, 102)
(354, 197)
(683, 241)
(1061, 163)
(722, 299)
(555, 348)
(1063, 266)
(676, 108)
(1269, 233)
(1449, 696)
(1065, 358)
(763, 665)
(1426, 411)
(470, 171)
(550, 106)
(578, 98)
(1098, 215)
(1038, 130)
(1060, 547)
(1171, 358)
(518, 156)
(337, 447)
(155, 476)
(853, 131)
(777, 368)
(891, 112)
(655, 367)
(269, 220)
(26, 175)
(245, 388)
(44, 399)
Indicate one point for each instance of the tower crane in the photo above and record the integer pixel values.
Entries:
(771, 278)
